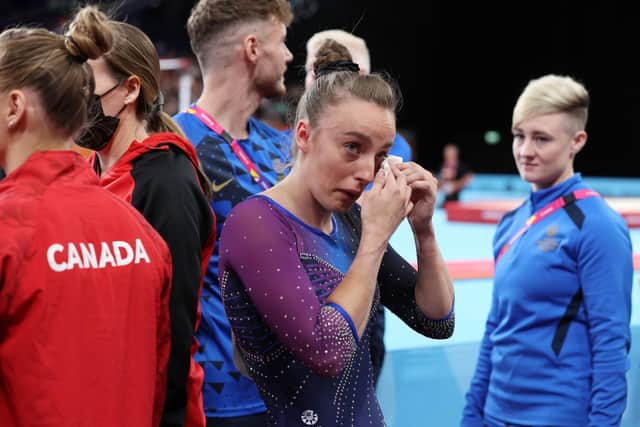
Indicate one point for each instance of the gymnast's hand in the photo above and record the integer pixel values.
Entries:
(424, 191)
(385, 205)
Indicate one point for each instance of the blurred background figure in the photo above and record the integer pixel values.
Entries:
(274, 112)
(454, 175)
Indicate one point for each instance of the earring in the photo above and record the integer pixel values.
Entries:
(10, 125)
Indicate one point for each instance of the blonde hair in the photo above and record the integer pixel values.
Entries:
(54, 66)
(553, 94)
(356, 46)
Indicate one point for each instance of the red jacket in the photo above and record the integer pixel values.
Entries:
(159, 176)
(84, 286)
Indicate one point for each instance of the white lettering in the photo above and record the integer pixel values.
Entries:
(105, 256)
(128, 257)
(88, 255)
(141, 253)
(55, 266)
(73, 257)
(117, 253)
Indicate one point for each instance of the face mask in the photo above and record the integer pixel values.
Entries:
(97, 135)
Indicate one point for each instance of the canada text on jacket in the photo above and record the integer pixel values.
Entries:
(81, 255)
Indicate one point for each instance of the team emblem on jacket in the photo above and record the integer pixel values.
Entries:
(550, 241)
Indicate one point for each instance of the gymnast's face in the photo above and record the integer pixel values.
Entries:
(343, 152)
(544, 148)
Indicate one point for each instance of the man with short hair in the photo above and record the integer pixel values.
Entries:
(241, 50)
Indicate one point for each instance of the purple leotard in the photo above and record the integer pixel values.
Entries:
(303, 353)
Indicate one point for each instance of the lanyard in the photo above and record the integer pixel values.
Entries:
(235, 146)
(558, 203)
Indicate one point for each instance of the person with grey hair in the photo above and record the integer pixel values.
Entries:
(556, 344)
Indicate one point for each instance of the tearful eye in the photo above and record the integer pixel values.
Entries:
(380, 158)
(352, 147)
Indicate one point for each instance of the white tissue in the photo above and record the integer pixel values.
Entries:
(387, 162)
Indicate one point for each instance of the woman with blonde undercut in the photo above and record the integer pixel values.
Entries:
(556, 344)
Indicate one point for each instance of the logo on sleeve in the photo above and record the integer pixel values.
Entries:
(62, 257)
